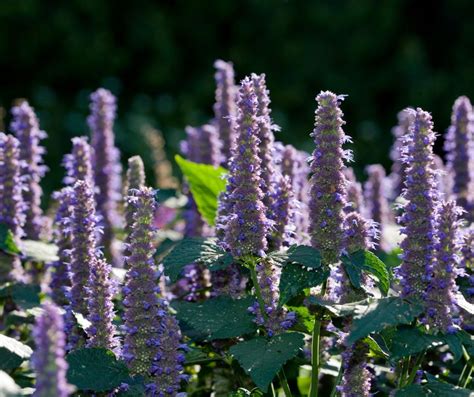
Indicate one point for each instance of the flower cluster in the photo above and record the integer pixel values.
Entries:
(356, 380)
(354, 196)
(78, 163)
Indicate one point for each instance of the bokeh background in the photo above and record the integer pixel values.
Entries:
(157, 57)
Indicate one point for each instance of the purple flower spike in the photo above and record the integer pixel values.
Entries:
(397, 175)
(106, 163)
(467, 264)
(202, 145)
(60, 277)
(283, 230)
(100, 291)
(459, 147)
(48, 358)
(327, 182)
(440, 296)
(419, 213)
(225, 108)
(355, 200)
(25, 126)
(247, 225)
(78, 163)
(356, 379)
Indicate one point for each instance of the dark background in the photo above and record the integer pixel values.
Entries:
(157, 57)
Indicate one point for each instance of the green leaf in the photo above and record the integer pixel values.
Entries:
(294, 279)
(136, 387)
(8, 387)
(25, 296)
(7, 241)
(304, 319)
(408, 341)
(375, 349)
(38, 251)
(206, 183)
(12, 352)
(464, 304)
(434, 389)
(262, 358)
(382, 313)
(217, 318)
(304, 255)
(95, 369)
(412, 391)
(366, 261)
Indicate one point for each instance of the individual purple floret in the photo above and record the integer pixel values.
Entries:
(247, 225)
(356, 379)
(354, 196)
(25, 126)
(376, 203)
(78, 163)
(60, 277)
(440, 296)
(106, 164)
(459, 147)
(48, 357)
(419, 213)
(275, 319)
(327, 200)
(467, 264)
(100, 291)
(283, 230)
(225, 108)
(397, 175)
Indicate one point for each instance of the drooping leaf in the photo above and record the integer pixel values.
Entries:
(262, 358)
(381, 313)
(206, 183)
(217, 318)
(303, 255)
(366, 261)
(7, 241)
(12, 352)
(38, 251)
(376, 350)
(95, 369)
(294, 279)
(195, 250)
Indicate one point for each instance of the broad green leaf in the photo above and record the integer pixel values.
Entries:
(340, 310)
(164, 248)
(294, 279)
(366, 261)
(375, 349)
(382, 313)
(161, 195)
(38, 251)
(136, 387)
(304, 319)
(304, 255)
(262, 358)
(408, 341)
(8, 387)
(217, 318)
(18, 317)
(26, 296)
(412, 391)
(195, 250)
(434, 389)
(95, 369)
(206, 183)
(12, 352)
(7, 241)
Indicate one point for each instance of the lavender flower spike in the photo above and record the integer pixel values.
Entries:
(419, 213)
(78, 163)
(283, 231)
(327, 182)
(247, 225)
(202, 145)
(459, 147)
(48, 358)
(440, 296)
(356, 379)
(106, 163)
(467, 264)
(60, 277)
(100, 291)
(25, 126)
(225, 108)
(355, 200)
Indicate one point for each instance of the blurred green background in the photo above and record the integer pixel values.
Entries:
(157, 57)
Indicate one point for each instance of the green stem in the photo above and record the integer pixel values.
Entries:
(468, 378)
(284, 383)
(315, 352)
(337, 381)
(415, 368)
(403, 371)
(461, 377)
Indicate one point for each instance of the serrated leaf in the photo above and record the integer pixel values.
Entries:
(95, 369)
(206, 183)
(195, 250)
(217, 318)
(38, 251)
(302, 254)
(294, 279)
(366, 261)
(7, 241)
(12, 352)
(262, 358)
(382, 313)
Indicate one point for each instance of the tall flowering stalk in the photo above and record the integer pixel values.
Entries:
(225, 107)
(106, 163)
(356, 378)
(60, 277)
(354, 196)
(440, 296)
(48, 358)
(78, 163)
(419, 213)
(327, 200)
(202, 145)
(459, 147)
(283, 213)
(25, 126)
(467, 263)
